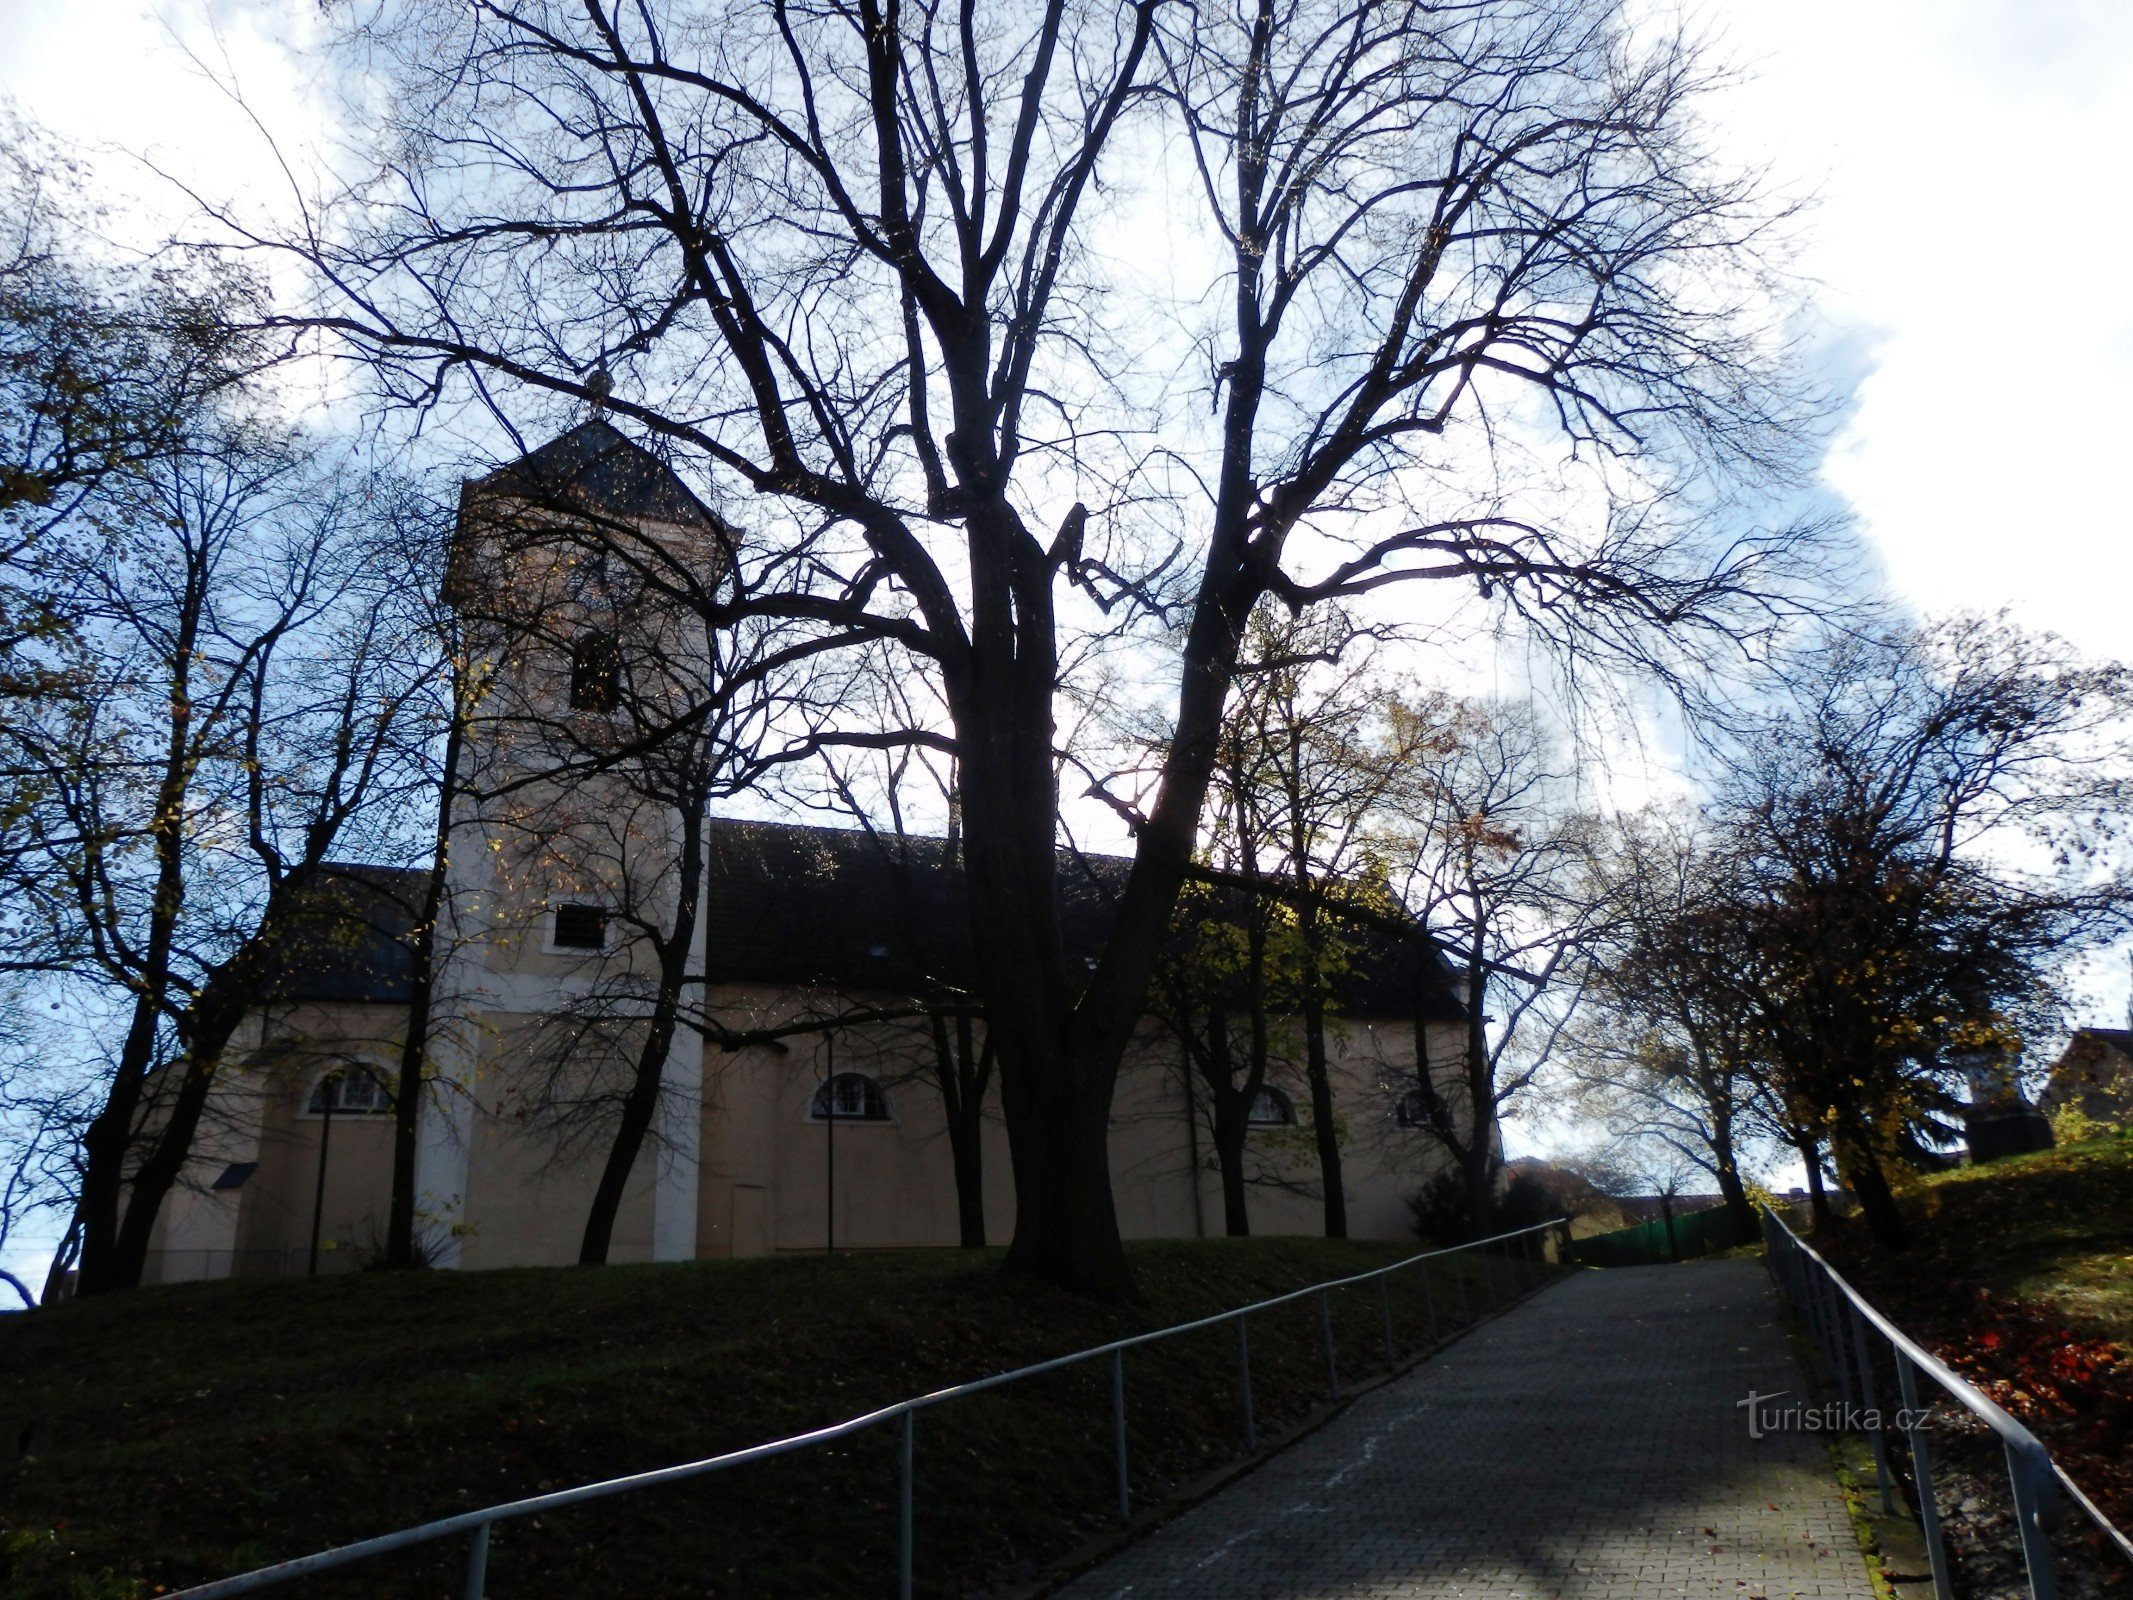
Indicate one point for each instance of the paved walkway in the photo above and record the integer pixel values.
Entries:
(1586, 1446)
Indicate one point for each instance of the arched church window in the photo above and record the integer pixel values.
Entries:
(1412, 1111)
(850, 1097)
(1271, 1109)
(350, 1092)
(595, 672)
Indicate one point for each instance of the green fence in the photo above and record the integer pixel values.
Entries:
(1696, 1233)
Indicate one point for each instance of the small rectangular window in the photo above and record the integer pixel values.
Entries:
(579, 927)
(595, 672)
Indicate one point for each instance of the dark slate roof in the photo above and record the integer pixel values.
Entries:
(844, 908)
(350, 939)
(839, 906)
(835, 907)
(597, 467)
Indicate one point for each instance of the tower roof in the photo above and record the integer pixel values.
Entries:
(595, 467)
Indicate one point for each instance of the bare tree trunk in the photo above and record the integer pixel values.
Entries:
(1738, 1205)
(109, 1141)
(422, 981)
(1323, 1126)
(106, 1146)
(1231, 1104)
(1861, 1167)
(964, 1073)
(63, 1259)
(641, 1105)
(1480, 1155)
(210, 1022)
(1817, 1195)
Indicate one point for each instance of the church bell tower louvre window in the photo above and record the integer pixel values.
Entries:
(1271, 1109)
(595, 672)
(579, 927)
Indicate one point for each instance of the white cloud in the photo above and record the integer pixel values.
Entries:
(1973, 224)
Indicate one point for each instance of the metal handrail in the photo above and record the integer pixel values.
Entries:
(479, 1522)
(2033, 1475)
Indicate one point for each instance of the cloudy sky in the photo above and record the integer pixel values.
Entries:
(1971, 237)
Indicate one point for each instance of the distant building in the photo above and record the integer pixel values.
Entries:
(828, 1135)
(1997, 1121)
(2095, 1073)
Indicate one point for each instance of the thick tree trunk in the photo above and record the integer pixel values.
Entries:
(1058, 1131)
(1738, 1205)
(1817, 1195)
(171, 1145)
(1478, 1166)
(106, 1145)
(1869, 1180)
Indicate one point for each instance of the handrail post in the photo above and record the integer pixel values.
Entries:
(1429, 1302)
(1392, 1352)
(1325, 1328)
(1244, 1385)
(1922, 1474)
(1488, 1284)
(2032, 1518)
(1118, 1433)
(1466, 1316)
(1839, 1356)
(905, 1532)
(478, 1563)
(1870, 1397)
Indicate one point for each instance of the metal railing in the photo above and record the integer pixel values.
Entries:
(1520, 1247)
(1839, 1321)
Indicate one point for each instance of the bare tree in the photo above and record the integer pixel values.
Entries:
(842, 259)
(1498, 867)
(945, 1042)
(1665, 1050)
(44, 1104)
(232, 727)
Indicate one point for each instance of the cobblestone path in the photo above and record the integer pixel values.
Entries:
(1585, 1446)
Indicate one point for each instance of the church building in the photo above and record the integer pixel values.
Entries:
(809, 1093)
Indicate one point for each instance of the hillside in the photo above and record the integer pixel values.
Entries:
(2054, 1229)
(2021, 1276)
(181, 1433)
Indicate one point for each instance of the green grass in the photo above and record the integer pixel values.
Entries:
(2055, 1226)
(183, 1433)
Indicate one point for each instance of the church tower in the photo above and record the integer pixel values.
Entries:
(583, 577)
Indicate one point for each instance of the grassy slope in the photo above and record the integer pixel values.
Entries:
(2020, 1275)
(2055, 1227)
(185, 1432)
